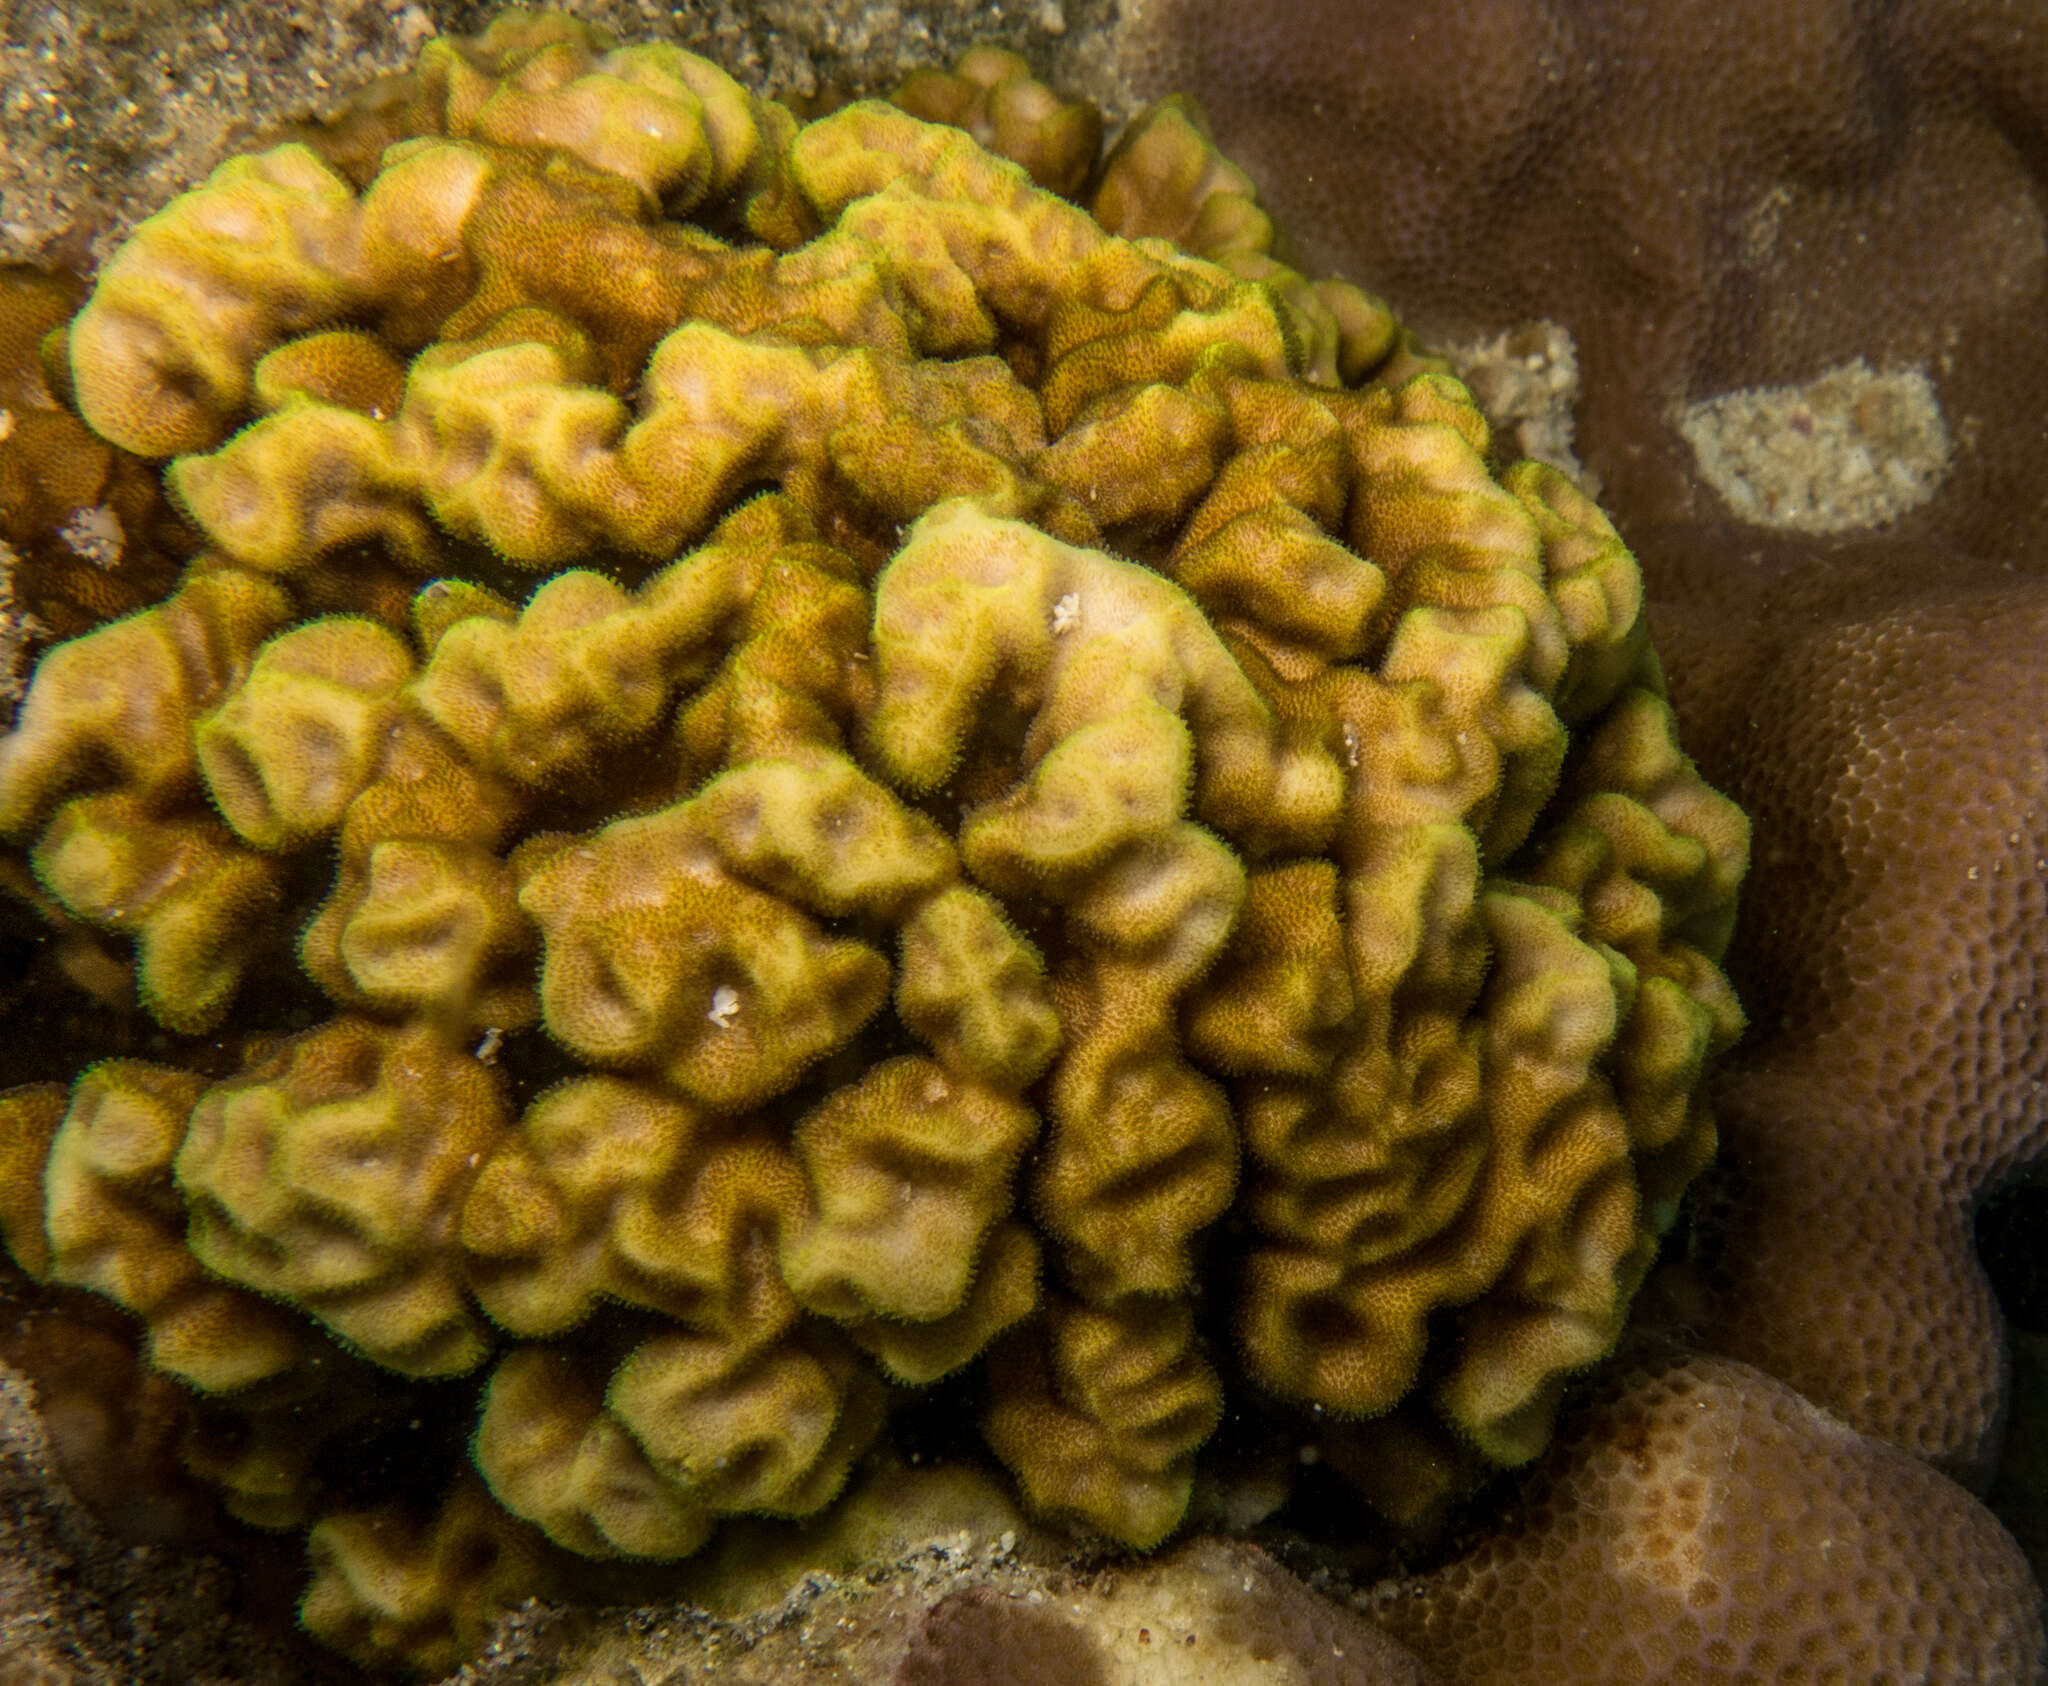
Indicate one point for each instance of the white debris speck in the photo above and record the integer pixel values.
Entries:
(95, 534)
(1526, 381)
(1066, 613)
(725, 1006)
(487, 1049)
(17, 627)
(1351, 748)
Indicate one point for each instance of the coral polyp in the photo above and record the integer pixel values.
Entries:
(883, 783)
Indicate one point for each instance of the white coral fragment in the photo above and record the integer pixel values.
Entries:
(1854, 447)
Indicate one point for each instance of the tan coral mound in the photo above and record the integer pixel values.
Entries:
(1882, 717)
(1050, 800)
(1701, 1522)
(1711, 198)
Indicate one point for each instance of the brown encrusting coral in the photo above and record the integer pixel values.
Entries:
(1881, 713)
(1789, 202)
(1051, 802)
(1700, 1521)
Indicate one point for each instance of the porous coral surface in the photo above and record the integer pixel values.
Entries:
(1880, 710)
(1701, 1521)
(1049, 803)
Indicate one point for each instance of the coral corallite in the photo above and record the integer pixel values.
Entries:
(882, 783)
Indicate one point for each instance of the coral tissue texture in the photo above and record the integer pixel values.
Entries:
(1711, 197)
(85, 530)
(882, 783)
(1700, 1521)
(1883, 717)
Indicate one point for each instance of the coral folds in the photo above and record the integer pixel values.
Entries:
(879, 779)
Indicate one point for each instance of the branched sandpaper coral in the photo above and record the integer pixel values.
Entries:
(883, 783)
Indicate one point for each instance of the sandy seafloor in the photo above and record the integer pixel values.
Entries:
(108, 108)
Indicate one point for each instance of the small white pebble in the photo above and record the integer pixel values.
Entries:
(95, 535)
(1066, 613)
(725, 1006)
(412, 26)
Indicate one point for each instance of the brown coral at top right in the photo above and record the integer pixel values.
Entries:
(1713, 199)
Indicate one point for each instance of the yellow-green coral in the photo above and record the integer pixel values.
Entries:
(298, 737)
(332, 1175)
(993, 96)
(386, 1585)
(1070, 825)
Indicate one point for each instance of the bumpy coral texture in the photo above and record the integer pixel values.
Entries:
(1700, 1521)
(1709, 197)
(1881, 713)
(1047, 805)
(85, 530)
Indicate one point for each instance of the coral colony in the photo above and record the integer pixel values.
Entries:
(880, 776)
